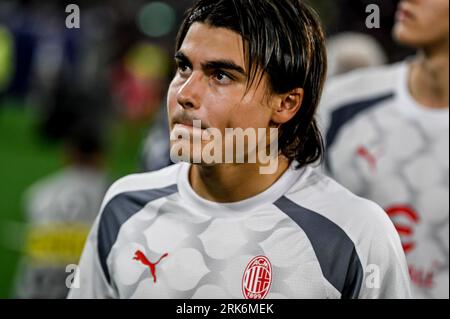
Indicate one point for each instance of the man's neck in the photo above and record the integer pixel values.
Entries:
(226, 183)
(429, 77)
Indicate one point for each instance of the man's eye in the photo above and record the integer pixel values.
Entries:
(222, 77)
(183, 69)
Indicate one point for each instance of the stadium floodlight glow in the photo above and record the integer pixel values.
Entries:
(156, 19)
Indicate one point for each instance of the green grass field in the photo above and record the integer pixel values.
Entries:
(24, 159)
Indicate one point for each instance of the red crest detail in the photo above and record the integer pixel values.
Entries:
(405, 230)
(257, 278)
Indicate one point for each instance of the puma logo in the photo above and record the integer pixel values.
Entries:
(139, 256)
(371, 159)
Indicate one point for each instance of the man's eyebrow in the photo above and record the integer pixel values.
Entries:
(181, 56)
(213, 65)
(223, 64)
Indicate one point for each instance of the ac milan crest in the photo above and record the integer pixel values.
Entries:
(257, 278)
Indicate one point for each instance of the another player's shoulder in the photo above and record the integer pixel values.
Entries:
(164, 178)
(324, 196)
(362, 81)
(362, 85)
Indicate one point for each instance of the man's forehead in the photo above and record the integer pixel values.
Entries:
(208, 43)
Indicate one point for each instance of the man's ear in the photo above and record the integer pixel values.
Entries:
(287, 105)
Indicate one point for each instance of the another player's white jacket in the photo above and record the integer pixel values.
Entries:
(60, 210)
(304, 237)
(383, 146)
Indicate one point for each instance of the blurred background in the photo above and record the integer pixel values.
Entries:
(80, 108)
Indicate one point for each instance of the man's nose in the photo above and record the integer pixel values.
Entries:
(189, 94)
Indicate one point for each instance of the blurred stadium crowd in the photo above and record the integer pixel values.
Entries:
(81, 107)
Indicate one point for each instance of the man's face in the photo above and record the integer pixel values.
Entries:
(422, 23)
(210, 84)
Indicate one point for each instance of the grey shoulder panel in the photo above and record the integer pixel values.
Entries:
(335, 251)
(118, 210)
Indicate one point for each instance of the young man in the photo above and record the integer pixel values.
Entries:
(387, 135)
(224, 230)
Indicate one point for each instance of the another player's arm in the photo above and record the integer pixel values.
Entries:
(385, 269)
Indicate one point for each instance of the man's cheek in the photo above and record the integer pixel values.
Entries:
(171, 105)
(170, 98)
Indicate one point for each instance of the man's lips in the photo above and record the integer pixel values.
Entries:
(182, 132)
(190, 124)
(403, 13)
(184, 125)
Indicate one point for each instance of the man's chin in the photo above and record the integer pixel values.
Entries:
(182, 151)
(190, 160)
